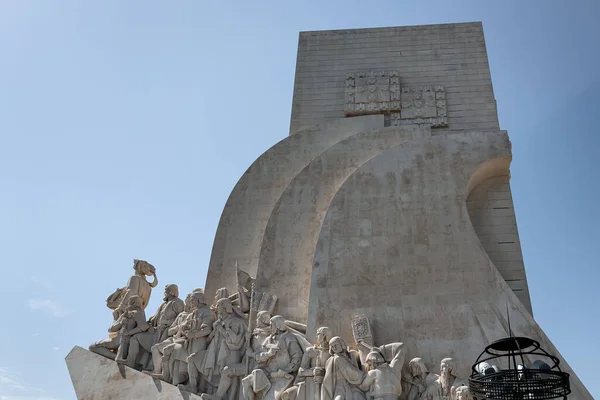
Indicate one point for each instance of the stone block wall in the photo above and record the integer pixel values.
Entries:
(453, 55)
(492, 214)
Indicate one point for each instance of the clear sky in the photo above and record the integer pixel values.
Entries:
(124, 125)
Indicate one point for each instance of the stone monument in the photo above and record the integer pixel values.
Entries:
(373, 253)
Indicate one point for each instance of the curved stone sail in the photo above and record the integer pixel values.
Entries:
(290, 239)
(244, 219)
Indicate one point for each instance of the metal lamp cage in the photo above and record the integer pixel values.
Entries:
(508, 376)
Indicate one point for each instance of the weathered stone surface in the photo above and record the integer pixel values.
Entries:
(413, 262)
(97, 378)
(452, 55)
(290, 238)
(492, 214)
(244, 219)
(448, 59)
(418, 246)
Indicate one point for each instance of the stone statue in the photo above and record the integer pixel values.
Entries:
(221, 293)
(133, 321)
(444, 387)
(383, 380)
(211, 349)
(191, 338)
(108, 347)
(312, 368)
(228, 339)
(160, 322)
(277, 363)
(168, 311)
(262, 330)
(137, 286)
(232, 372)
(158, 349)
(421, 378)
(342, 373)
(463, 393)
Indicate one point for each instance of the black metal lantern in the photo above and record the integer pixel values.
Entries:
(517, 368)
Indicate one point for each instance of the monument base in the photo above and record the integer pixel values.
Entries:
(97, 377)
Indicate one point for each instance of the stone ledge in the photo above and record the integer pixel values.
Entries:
(97, 377)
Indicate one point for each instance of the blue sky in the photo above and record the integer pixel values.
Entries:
(124, 125)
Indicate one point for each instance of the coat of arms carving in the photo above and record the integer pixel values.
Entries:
(379, 92)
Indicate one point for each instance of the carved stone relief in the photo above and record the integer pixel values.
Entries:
(379, 92)
(372, 93)
(212, 351)
(361, 328)
(422, 105)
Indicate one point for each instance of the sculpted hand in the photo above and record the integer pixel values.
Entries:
(261, 357)
(273, 374)
(278, 374)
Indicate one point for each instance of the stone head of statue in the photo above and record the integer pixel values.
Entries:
(278, 324)
(188, 303)
(417, 367)
(324, 334)
(224, 308)
(171, 291)
(337, 345)
(221, 293)
(197, 300)
(373, 360)
(263, 319)
(463, 393)
(144, 268)
(447, 367)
